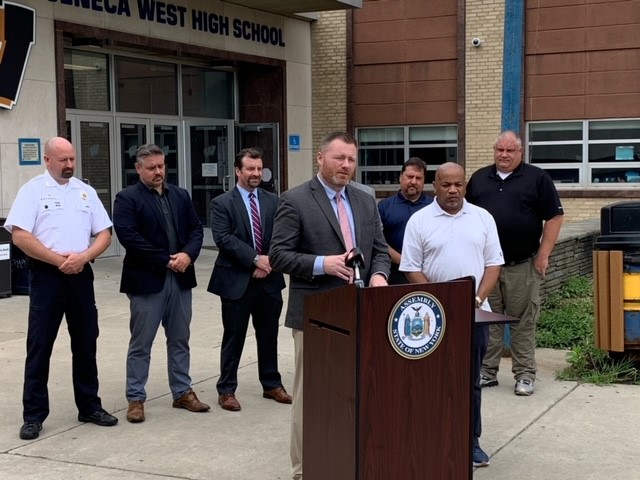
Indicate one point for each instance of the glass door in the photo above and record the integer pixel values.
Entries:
(132, 132)
(138, 131)
(210, 157)
(92, 137)
(264, 136)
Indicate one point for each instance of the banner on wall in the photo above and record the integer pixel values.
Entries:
(17, 36)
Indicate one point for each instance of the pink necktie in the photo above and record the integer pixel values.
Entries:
(344, 223)
(255, 222)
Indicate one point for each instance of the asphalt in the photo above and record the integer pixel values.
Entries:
(564, 430)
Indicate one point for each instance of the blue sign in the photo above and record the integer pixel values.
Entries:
(29, 151)
(294, 143)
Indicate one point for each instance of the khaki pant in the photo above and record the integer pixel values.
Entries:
(517, 294)
(296, 410)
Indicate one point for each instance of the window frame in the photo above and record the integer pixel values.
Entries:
(586, 168)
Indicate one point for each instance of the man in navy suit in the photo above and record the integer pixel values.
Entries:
(242, 223)
(158, 226)
(316, 225)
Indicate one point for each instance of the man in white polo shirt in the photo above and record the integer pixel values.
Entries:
(449, 239)
(52, 220)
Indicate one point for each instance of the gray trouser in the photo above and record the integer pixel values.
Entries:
(171, 307)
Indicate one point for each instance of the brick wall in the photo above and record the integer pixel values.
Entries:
(328, 75)
(483, 87)
(571, 257)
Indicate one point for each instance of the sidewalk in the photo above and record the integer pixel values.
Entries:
(564, 430)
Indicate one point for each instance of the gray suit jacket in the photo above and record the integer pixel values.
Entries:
(306, 226)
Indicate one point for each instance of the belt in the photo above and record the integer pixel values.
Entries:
(517, 262)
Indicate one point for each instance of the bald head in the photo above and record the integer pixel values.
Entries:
(60, 159)
(449, 187)
(507, 151)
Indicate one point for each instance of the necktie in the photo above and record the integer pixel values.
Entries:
(344, 223)
(255, 222)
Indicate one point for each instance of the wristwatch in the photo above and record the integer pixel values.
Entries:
(255, 260)
(479, 302)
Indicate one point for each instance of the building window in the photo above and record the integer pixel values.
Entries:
(207, 93)
(596, 153)
(145, 86)
(86, 76)
(383, 150)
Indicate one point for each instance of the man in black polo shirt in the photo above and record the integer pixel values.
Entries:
(525, 205)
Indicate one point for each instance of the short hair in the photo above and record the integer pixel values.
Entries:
(147, 150)
(508, 133)
(346, 137)
(415, 162)
(252, 152)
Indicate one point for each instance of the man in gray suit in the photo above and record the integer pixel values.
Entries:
(316, 225)
(242, 223)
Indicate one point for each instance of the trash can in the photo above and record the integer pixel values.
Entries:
(20, 283)
(616, 276)
(5, 261)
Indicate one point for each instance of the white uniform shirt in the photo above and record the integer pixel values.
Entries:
(62, 217)
(445, 247)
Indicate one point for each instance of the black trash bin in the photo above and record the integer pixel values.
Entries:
(617, 277)
(5, 261)
(20, 283)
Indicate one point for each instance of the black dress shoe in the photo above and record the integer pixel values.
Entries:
(99, 417)
(30, 430)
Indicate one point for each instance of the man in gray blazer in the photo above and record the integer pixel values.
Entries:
(242, 223)
(316, 225)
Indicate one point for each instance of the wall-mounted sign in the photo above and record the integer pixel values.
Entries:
(176, 15)
(294, 143)
(17, 35)
(29, 151)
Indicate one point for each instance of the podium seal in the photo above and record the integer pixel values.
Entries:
(416, 325)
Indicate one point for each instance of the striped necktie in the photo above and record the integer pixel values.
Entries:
(255, 222)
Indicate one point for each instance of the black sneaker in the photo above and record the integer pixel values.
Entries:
(488, 381)
(30, 430)
(99, 417)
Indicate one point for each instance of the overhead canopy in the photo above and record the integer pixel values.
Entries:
(291, 7)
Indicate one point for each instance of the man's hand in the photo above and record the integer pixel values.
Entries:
(334, 265)
(178, 262)
(74, 263)
(263, 267)
(541, 263)
(378, 280)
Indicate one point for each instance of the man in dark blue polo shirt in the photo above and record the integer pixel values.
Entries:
(395, 211)
(525, 205)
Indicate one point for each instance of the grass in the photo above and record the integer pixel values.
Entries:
(567, 322)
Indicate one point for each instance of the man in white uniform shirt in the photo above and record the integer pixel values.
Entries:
(449, 239)
(52, 220)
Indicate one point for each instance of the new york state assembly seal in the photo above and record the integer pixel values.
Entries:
(416, 325)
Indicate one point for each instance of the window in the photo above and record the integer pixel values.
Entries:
(207, 93)
(86, 77)
(383, 150)
(144, 86)
(596, 153)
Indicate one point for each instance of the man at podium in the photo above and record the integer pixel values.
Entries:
(449, 239)
(316, 225)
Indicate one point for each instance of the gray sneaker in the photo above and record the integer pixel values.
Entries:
(524, 387)
(488, 381)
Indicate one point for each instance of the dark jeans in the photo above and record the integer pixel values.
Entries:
(481, 339)
(54, 295)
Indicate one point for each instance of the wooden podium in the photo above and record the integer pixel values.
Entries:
(370, 412)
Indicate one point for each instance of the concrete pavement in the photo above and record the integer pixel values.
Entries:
(564, 430)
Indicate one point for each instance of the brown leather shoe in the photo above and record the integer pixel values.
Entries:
(135, 413)
(228, 402)
(190, 402)
(279, 394)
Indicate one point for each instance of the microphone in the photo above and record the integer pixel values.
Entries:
(355, 260)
